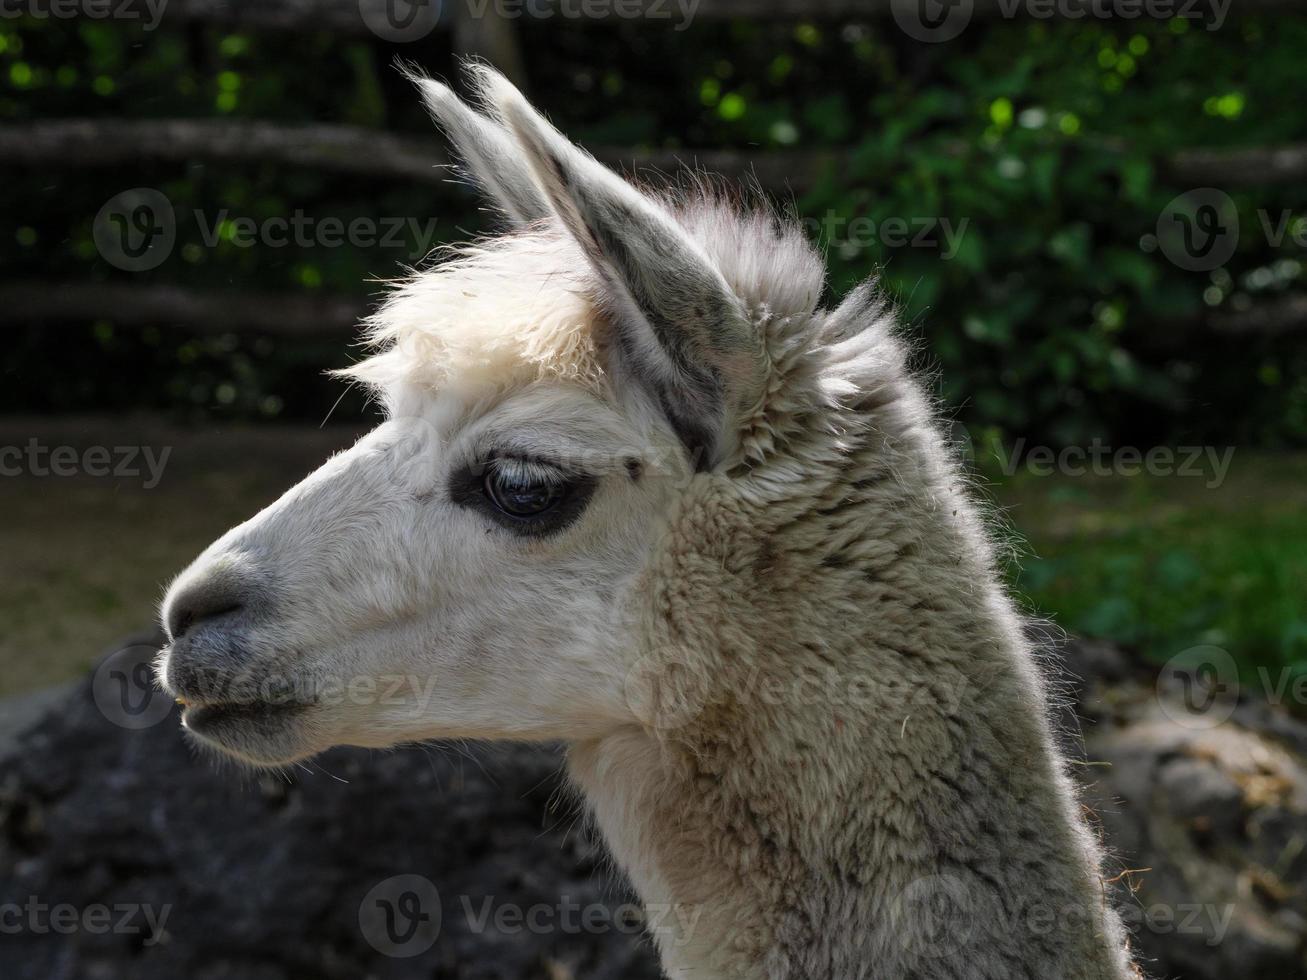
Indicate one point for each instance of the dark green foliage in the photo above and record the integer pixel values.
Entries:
(1052, 315)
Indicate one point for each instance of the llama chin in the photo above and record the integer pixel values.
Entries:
(639, 492)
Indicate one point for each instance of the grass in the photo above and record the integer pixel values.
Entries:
(1165, 563)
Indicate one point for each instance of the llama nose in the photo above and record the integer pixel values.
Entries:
(227, 585)
(198, 605)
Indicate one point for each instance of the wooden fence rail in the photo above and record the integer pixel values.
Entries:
(299, 315)
(87, 143)
(199, 311)
(84, 143)
(354, 16)
(488, 28)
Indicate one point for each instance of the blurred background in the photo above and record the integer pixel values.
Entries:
(1008, 185)
(1093, 216)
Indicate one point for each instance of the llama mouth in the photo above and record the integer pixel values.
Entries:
(197, 715)
(258, 734)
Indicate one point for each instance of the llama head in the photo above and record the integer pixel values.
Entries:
(483, 564)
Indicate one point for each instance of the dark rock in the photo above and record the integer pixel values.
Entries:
(264, 877)
(279, 877)
(1203, 804)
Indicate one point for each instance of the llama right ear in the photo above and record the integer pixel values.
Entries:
(489, 155)
(680, 332)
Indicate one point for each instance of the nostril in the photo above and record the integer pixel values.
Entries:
(186, 613)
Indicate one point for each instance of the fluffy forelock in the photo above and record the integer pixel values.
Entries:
(522, 307)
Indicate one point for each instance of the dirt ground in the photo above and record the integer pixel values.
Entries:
(85, 559)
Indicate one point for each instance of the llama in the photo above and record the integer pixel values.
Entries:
(638, 492)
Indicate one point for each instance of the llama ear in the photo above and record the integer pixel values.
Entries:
(489, 154)
(680, 331)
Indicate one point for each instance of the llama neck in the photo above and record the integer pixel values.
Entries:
(852, 773)
(901, 850)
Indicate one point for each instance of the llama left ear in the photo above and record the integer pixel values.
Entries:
(680, 330)
(490, 156)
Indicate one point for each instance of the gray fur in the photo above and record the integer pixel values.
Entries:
(488, 153)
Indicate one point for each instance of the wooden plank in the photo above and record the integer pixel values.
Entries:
(291, 314)
(86, 143)
(362, 17)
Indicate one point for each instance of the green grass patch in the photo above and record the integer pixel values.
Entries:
(1164, 563)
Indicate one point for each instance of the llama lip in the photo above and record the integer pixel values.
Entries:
(256, 733)
(202, 718)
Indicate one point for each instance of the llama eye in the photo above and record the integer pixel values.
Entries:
(529, 497)
(522, 494)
